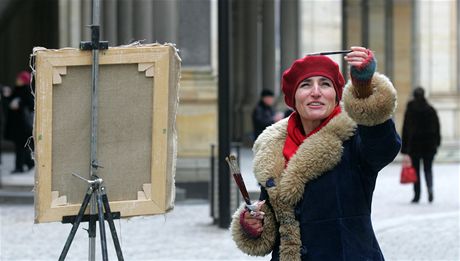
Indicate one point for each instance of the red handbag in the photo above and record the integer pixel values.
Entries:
(408, 173)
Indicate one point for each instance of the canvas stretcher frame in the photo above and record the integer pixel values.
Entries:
(155, 69)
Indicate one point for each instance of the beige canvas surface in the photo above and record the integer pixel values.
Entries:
(124, 131)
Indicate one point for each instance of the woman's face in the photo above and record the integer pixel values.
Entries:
(315, 98)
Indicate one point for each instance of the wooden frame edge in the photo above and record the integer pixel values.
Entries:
(48, 62)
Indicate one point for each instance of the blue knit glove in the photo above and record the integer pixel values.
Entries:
(361, 76)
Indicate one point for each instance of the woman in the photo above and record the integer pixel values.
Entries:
(420, 139)
(317, 169)
(19, 121)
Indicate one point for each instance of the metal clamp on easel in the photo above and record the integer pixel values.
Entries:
(95, 187)
(94, 44)
(95, 195)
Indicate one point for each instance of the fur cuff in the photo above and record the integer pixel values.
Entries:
(375, 109)
(260, 246)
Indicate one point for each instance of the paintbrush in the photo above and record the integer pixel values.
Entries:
(330, 53)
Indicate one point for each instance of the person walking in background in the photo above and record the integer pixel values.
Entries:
(317, 169)
(19, 120)
(263, 114)
(421, 138)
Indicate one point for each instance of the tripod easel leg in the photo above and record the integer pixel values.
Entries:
(76, 224)
(108, 212)
(100, 213)
(102, 202)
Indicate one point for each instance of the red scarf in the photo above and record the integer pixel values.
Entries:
(296, 135)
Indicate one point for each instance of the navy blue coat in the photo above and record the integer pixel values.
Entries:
(335, 212)
(319, 204)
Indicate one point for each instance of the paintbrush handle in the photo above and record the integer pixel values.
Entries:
(330, 53)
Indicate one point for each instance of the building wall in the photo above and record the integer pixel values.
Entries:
(191, 26)
(421, 48)
(437, 65)
(321, 27)
(24, 25)
(402, 63)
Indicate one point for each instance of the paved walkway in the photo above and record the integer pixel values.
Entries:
(408, 231)
(405, 231)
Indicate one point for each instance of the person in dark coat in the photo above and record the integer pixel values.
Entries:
(317, 169)
(421, 138)
(19, 121)
(263, 114)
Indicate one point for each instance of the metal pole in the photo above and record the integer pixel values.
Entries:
(212, 180)
(94, 88)
(94, 102)
(224, 112)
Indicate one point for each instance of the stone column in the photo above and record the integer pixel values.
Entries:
(70, 28)
(165, 18)
(458, 45)
(388, 39)
(191, 31)
(86, 20)
(354, 23)
(75, 21)
(289, 30)
(108, 21)
(402, 50)
(268, 46)
(415, 34)
(188, 24)
(63, 23)
(376, 34)
(125, 21)
(239, 50)
(437, 62)
(247, 79)
(365, 23)
(252, 68)
(143, 20)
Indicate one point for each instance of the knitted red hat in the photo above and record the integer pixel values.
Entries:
(24, 76)
(309, 66)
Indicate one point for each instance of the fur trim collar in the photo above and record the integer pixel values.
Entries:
(321, 152)
(317, 154)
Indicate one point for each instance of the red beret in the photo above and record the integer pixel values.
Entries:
(24, 76)
(307, 67)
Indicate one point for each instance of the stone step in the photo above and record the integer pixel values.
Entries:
(9, 196)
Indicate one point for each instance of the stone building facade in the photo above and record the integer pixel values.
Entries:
(416, 42)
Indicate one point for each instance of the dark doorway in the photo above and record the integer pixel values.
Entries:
(25, 24)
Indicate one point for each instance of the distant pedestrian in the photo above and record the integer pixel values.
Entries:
(421, 138)
(264, 114)
(19, 119)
